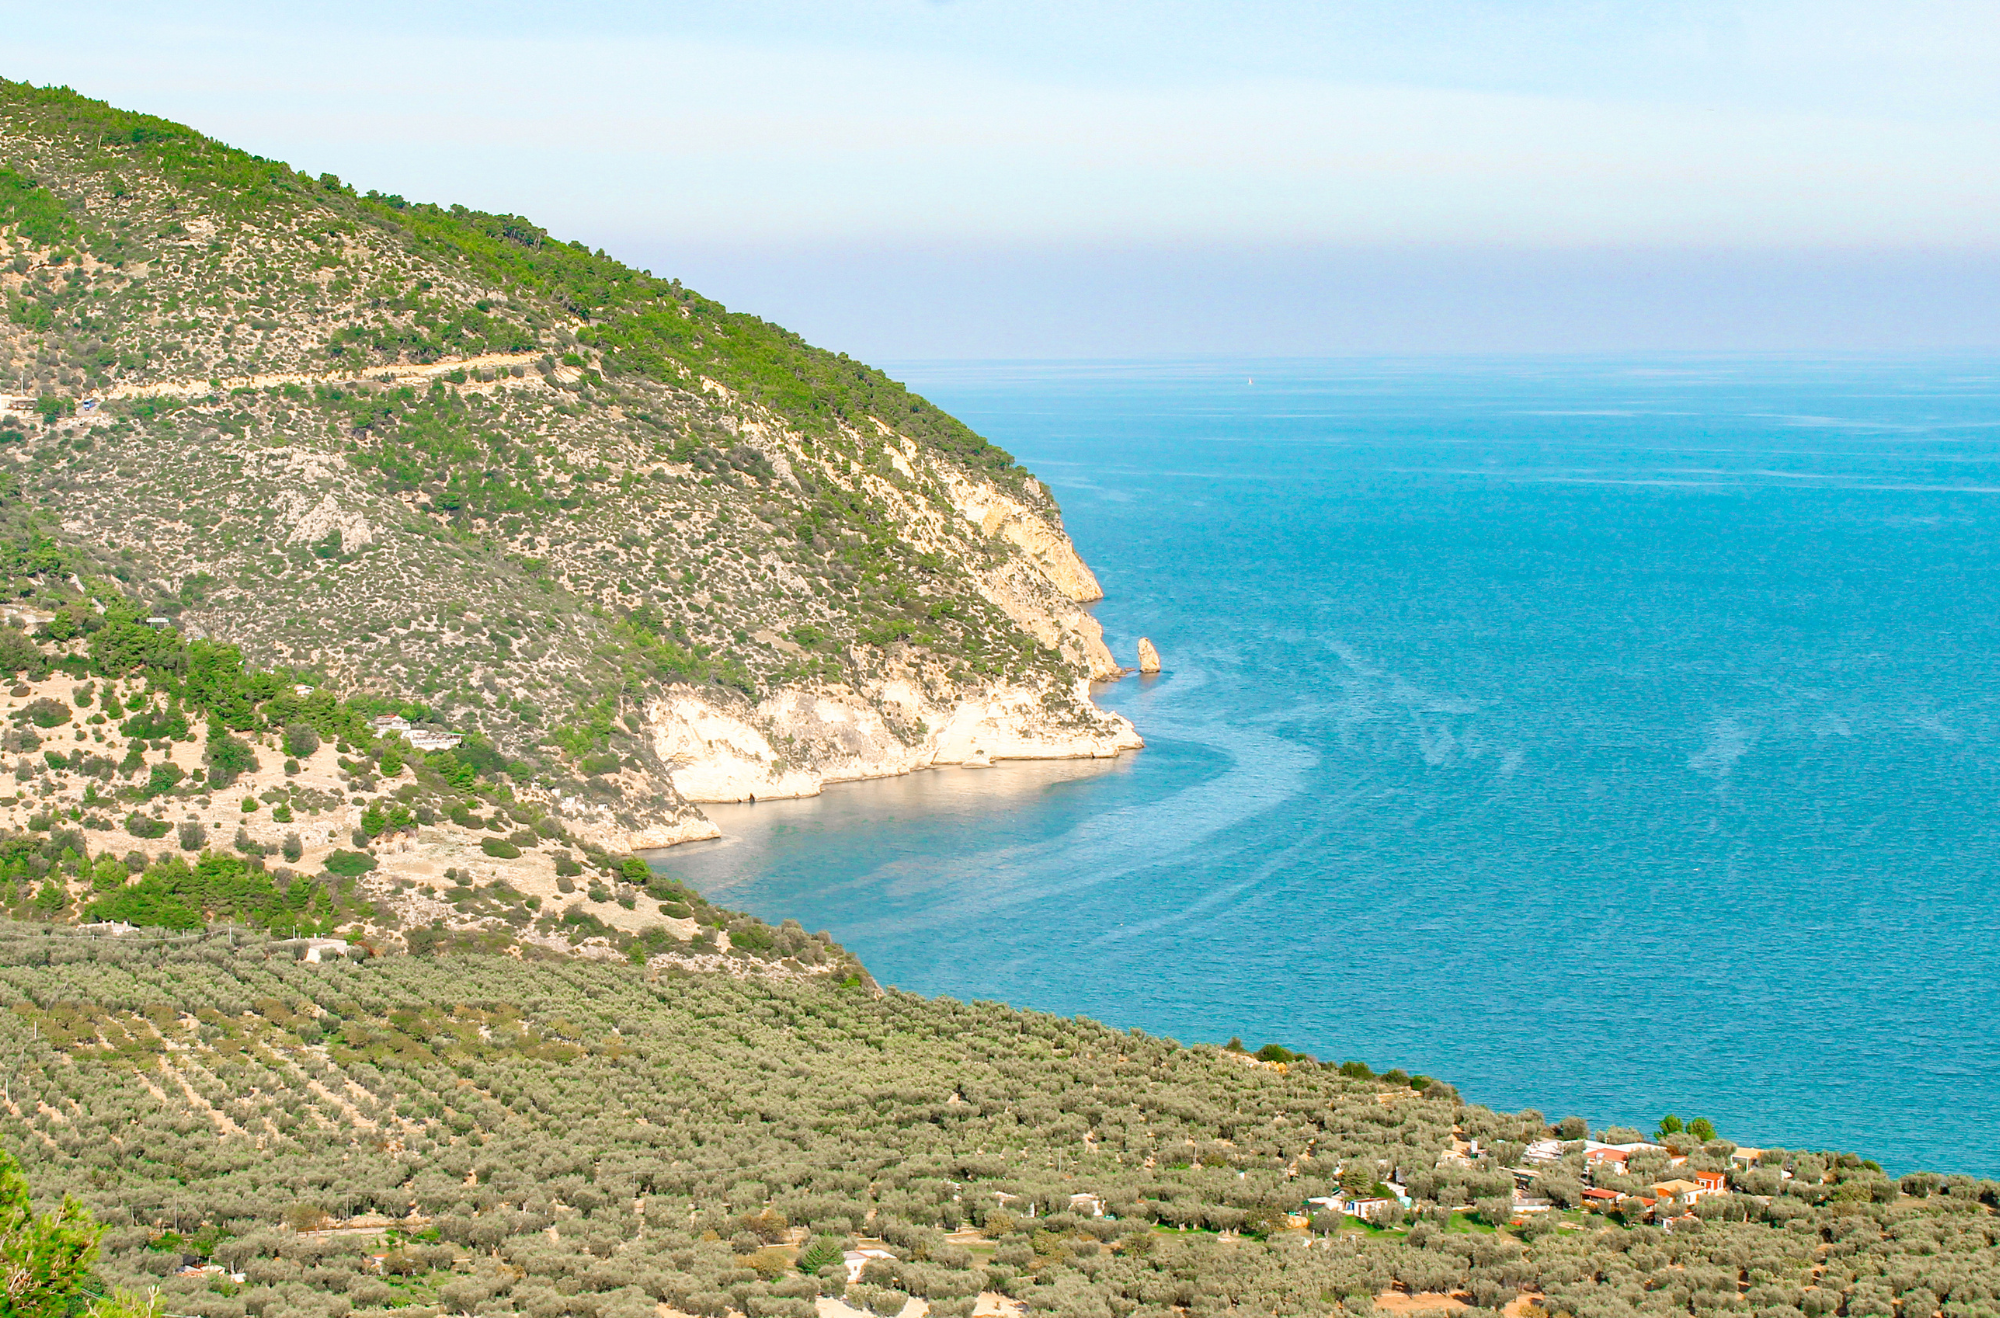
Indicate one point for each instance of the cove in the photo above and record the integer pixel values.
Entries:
(1610, 736)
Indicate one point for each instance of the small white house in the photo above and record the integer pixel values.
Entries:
(317, 949)
(1368, 1209)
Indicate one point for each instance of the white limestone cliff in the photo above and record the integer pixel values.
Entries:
(718, 747)
(901, 712)
(1044, 584)
(796, 742)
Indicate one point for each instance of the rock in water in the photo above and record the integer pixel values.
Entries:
(1149, 658)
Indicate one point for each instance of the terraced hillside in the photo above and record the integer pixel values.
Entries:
(652, 549)
(486, 1135)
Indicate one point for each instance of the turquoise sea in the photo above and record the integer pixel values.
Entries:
(1614, 737)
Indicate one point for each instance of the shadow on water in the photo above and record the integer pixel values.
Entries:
(878, 823)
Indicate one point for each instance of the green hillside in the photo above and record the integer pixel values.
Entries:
(103, 158)
(445, 459)
(586, 1138)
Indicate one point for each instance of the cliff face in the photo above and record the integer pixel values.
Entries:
(653, 551)
(719, 753)
(902, 712)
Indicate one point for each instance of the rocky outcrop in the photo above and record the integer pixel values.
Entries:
(1043, 584)
(1149, 658)
(666, 825)
(315, 522)
(796, 742)
(1031, 600)
(904, 717)
(1001, 515)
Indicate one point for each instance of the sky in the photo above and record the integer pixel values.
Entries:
(912, 179)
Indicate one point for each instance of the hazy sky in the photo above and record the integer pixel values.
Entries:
(910, 178)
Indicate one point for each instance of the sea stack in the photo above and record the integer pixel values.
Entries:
(1149, 658)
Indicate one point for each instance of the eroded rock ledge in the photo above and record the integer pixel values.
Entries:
(796, 742)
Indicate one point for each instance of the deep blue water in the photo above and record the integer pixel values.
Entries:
(1611, 737)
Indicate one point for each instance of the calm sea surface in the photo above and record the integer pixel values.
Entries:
(1611, 737)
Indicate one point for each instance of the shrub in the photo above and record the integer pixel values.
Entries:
(883, 1301)
(45, 713)
(163, 779)
(348, 864)
(152, 724)
(567, 866)
(292, 848)
(193, 836)
(499, 847)
(18, 653)
(769, 1262)
(227, 758)
(306, 1217)
(107, 875)
(139, 825)
(819, 1253)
